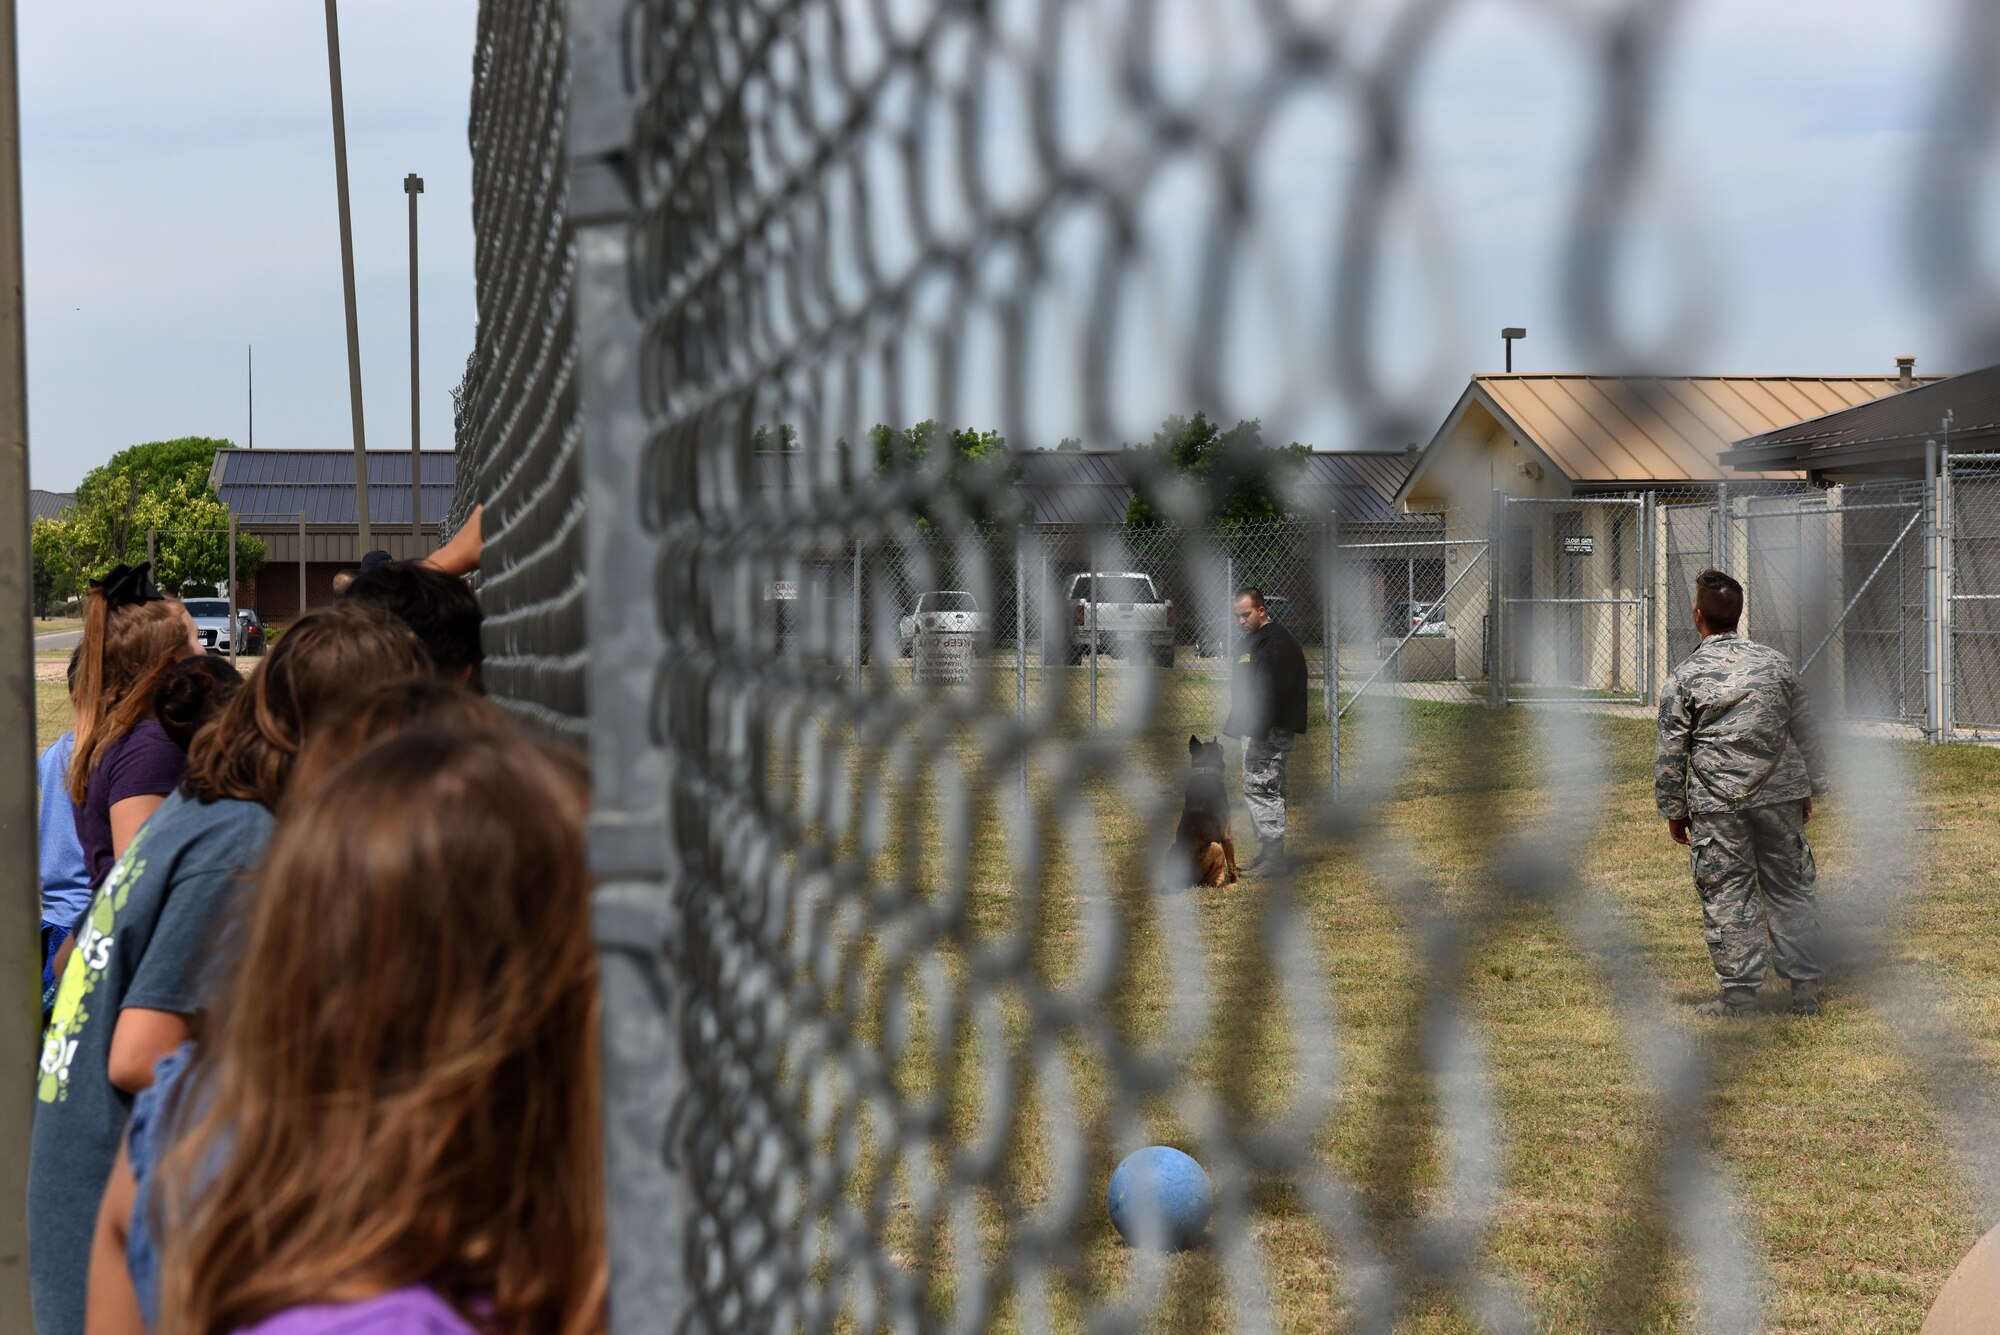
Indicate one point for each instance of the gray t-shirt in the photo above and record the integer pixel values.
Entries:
(145, 941)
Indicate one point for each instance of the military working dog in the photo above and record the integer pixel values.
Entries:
(1203, 838)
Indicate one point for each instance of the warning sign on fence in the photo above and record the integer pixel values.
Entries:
(1585, 545)
(942, 658)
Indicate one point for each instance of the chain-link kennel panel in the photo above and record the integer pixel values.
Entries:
(1834, 579)
(902, 955)
(1688, 538)
(516, 419)
(1417, 619)
(1972, 594)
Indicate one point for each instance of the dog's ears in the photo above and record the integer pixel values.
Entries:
(1194, 745)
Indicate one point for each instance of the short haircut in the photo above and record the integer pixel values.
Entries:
(440, 608)
(1719, 600)
(1253, 593)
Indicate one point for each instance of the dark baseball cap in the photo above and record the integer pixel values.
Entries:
(378, 557)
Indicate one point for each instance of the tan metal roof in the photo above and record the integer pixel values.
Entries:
(1665, 428)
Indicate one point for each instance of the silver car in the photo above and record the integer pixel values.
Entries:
(211, 621)
(947, 612)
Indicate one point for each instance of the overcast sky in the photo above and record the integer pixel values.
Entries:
(180, 205)
(178, 181)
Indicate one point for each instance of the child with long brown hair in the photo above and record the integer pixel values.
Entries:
(393, 1116)
(123, 764)
(125, 1257)
(136, 978)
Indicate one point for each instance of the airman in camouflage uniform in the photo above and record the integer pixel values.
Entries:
(1738, 764)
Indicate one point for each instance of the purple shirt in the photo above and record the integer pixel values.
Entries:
(143, 763)
(412, 1311)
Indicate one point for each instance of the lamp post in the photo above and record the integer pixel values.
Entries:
(1507, 336)
(347, 276)
(413, 185)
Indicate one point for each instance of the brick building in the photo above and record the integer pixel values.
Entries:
(301, 503)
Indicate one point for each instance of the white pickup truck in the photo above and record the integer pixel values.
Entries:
(1129, 617)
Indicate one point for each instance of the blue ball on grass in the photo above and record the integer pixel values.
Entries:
(1160, 1198)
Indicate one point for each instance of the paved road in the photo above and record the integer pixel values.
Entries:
(62, 639)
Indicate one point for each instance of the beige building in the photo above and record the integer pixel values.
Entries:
(1585, 472)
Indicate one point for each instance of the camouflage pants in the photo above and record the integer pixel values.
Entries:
(1264, 782)
(1755, 874)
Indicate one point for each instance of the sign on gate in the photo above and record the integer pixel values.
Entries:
(940, 657)
(1585, 545)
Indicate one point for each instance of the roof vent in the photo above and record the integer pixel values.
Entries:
(1906, 372)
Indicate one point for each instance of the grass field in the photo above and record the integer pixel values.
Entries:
(1821, 1125)
(52, 713)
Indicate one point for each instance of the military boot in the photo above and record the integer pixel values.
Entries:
(1735, 1003)
(1271, 857)
(1805, 996)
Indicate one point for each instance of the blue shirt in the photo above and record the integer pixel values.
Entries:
(65, 880)
(148, 940)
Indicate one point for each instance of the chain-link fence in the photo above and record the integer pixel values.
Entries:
(898, 961)
(1970, 551)
(515, 421)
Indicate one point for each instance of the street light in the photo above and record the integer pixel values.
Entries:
(413, 185)
(1507, 336)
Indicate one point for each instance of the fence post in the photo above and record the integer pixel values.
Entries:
(1496, 602)
(1933, 608)
(1093, 636)
(1048, 602)
(1718, 541)
(302, 561)
(643, 885)
(1330, 649)
(20, 1014)
(1947, 579)
(149, 545)
(1021, 651)
(856, 597)
(1224, 644)
(1648, 514)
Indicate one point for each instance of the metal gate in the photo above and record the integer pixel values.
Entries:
(1971, 555)
(1413, 622)
(1576, 598)
(1835, 580)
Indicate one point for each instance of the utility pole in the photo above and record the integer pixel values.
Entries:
(413, 185)
(250, 385)
(347, 277)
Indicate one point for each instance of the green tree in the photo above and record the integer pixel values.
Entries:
(1069, 445)
(157, 485)
(1241, 480)
(978, 475)
(785, 440)
(56, 579)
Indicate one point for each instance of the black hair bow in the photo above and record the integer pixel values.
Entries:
(125, 585)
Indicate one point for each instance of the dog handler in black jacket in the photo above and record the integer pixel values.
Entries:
(1267, 709)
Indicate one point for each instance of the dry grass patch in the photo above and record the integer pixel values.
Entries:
(1823, 1128)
